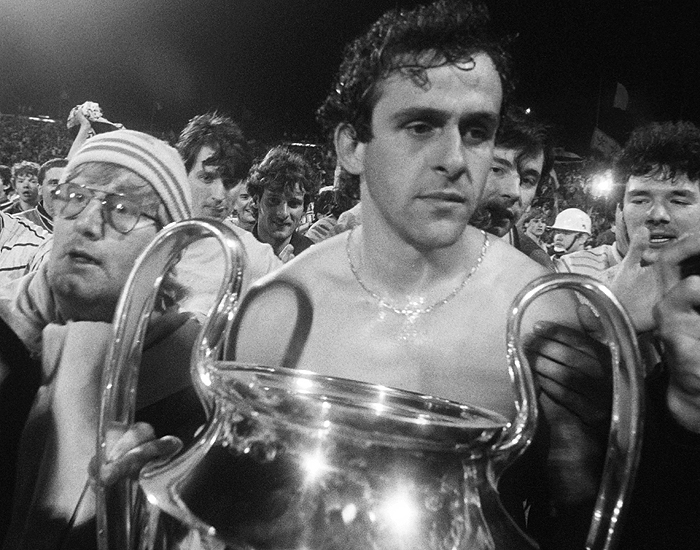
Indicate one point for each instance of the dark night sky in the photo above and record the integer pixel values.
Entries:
(269, 63)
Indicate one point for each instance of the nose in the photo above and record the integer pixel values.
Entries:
(658, 214)
(90, 222)
(218, 191)
(282, 211)
(509, 186)
(451, 155)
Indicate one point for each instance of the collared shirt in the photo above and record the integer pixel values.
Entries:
(22, 246)
(39, 216)
(299, 242)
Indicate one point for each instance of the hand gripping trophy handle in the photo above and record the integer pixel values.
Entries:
(624, 441)
(115, 511)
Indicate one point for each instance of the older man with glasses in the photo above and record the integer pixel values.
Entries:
(116, 193)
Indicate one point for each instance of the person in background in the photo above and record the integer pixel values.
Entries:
(244, 208)
(282, 185)
(571, 228)
(535, 224)
(522, 159)
(530, 240)
(23, 246)
(25, 181)
(595, 261)
(6, 191)
(659, 167)
(216, 156)
(49, 176)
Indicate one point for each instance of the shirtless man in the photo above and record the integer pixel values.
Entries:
(403, 299)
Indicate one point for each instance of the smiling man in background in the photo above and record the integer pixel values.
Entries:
(282, 185)
(660, 169)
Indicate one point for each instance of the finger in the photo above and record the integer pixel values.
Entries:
(137, 434)
(131, 463)
(591, 413)
(590, 322)
(639, 243)
(553, 336)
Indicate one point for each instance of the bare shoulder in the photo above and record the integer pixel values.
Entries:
(322, 261)
(506, 262)
(278, 312)
(508, 269)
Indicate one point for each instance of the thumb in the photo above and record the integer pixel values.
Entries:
(638, 247)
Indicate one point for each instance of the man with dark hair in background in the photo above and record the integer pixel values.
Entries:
(282, 185)
(217, 157)
(522, 159)
(49, 175)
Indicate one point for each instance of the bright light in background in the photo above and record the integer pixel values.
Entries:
(401, 513)
(314, 465)
(602, 184)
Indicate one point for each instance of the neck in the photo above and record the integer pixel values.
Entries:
(397, 270)
(276, 244)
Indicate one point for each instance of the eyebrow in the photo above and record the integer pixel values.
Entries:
(672, 192)
(438, 115)
(532, 172)
(503, 162)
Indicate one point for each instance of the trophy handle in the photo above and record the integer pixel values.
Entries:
(119, 380)
(624, 440)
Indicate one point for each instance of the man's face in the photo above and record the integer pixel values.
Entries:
(424, 170)
(568, 241)
(243, 205)
(279, 214)
(669, 209)
(210, 196)
(90, 260)
(51, 178)
(510, 187)
(27, 186)
(536, 226)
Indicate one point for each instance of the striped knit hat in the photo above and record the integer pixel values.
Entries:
(152, 159)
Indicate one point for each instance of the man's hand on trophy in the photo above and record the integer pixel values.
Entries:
(573, 368)
(129, 451)
(573, 373)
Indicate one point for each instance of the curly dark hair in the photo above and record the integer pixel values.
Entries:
(444, 32)
(521, 131)
(232, 151)
(660, 149)
(281, 170)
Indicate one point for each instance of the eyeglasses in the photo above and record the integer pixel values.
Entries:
(70, 199)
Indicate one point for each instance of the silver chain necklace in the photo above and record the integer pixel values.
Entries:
(412, 312)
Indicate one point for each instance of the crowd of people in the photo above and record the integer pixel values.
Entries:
(441, 209)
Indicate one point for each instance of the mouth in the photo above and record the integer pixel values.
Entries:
(660, 239)
(81, 257)
(281, 226)
(444, 196)
(500, 216)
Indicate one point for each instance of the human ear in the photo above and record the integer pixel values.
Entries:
(350, 151)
